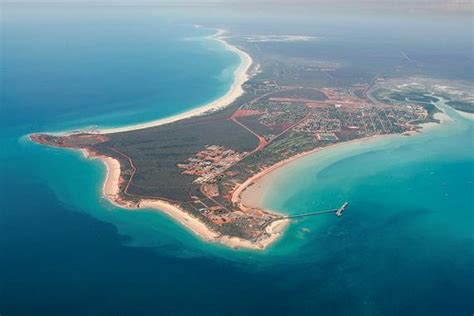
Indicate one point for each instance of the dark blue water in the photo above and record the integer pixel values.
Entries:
(404, 247)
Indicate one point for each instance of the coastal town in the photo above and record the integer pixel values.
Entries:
(237, 158)
(281, 124)
(196, 167)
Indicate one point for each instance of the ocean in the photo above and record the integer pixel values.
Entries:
(404, 246)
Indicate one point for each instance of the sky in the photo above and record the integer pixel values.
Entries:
(414, 2)
(437, 5)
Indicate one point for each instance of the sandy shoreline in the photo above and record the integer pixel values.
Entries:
(252, 198)
(275, 229)
(241, 75)
(111, 190)
(112, 181)
(111, 185)
(111, 193)
(466, 115)
(251, 193)
(254, 187)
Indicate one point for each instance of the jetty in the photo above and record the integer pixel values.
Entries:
(339, 212)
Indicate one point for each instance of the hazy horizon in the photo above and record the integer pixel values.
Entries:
(429, 3)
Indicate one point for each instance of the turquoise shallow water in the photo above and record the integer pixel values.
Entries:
(131, 69)
(427, 175)
(405, 245)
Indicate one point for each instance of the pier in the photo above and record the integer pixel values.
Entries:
(339, 212)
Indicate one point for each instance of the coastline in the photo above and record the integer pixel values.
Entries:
(254, 188)
(251, 193)
(466, 115)
(112, 180)
(111, 188)
(111, 184)
(241, 75)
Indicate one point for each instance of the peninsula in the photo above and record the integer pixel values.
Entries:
(196, 165)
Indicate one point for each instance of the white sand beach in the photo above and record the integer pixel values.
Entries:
(251, 193)
(111, 186)
(111, 189)
(248, 194)
(241, 75)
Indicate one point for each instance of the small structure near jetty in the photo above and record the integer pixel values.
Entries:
(339, 212)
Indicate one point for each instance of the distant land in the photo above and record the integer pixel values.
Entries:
(195, 166)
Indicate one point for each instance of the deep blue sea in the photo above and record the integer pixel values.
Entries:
(404, 247)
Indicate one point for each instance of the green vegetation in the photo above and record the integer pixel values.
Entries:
(155, 153)
(197, 163)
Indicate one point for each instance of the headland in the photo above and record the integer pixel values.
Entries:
(195, 166)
